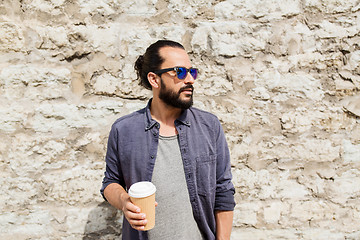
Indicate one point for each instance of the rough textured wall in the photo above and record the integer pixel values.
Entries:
(282, 76)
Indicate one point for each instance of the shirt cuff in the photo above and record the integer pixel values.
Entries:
(224, 201)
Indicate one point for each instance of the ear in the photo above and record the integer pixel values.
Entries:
(153, 80)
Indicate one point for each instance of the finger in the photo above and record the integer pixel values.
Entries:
(139, 228)
(135, 216)
(138, 225)
(142, 228)
(156, 203)
(132, 207)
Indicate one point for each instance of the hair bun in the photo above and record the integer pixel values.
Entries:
(138, 66)
(139, 63)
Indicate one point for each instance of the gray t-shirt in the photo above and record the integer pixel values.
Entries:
(174, 217)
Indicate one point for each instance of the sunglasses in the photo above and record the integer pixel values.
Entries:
(181, 72)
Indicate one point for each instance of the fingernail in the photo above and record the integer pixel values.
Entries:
(143, 216)
(138, 210)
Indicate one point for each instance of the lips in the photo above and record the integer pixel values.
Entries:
(187, 89)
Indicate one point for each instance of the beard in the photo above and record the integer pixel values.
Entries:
(172, 98)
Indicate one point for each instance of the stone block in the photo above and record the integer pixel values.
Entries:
(263, 233)
(138, 8)
(109, 85)
(64, 117)
(52, 7)
(200, 40)
(290, 189)
(330, 6)
(34, 224)
(12, 38)
(354, 61)
(12, 116)
(323, 233)
(351, 152)
(294, 85)
(36, 83)
(343, 188)
(272, 212)
(52, 37)
(223, 39)
(351, 104)
(269, 10)
(188, 10)
(303, 213)
(214, 86)
(312, 150)
(246, 213)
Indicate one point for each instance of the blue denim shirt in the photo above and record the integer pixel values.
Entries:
(131, 153)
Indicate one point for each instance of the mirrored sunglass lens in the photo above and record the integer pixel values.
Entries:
(181, 73)
(193, 72)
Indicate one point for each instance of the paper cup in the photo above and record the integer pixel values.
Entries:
(142, 194)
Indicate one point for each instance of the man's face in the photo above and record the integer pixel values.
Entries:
(176, 92)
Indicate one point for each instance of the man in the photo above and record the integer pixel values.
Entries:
(181, 149)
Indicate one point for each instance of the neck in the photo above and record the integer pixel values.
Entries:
(165, 115)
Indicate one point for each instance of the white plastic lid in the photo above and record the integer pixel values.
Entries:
(142, 189)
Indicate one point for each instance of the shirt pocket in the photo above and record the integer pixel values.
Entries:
(206, 174)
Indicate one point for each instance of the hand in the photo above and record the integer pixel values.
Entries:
(136, 219)
(132, 213)
(119, 198)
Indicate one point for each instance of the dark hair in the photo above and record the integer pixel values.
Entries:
(151, 60)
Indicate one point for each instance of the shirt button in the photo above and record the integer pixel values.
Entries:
(152, 156)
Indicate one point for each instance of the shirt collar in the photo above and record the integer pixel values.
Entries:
(150, 122)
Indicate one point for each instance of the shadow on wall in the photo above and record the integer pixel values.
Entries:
(104, 222)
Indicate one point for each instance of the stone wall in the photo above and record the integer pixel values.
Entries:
(282, 76)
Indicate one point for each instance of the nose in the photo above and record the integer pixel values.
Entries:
(189, 79)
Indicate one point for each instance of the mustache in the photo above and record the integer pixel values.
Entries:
(186, 88)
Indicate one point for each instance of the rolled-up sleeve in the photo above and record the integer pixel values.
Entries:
(224, 198)
(113, 172)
